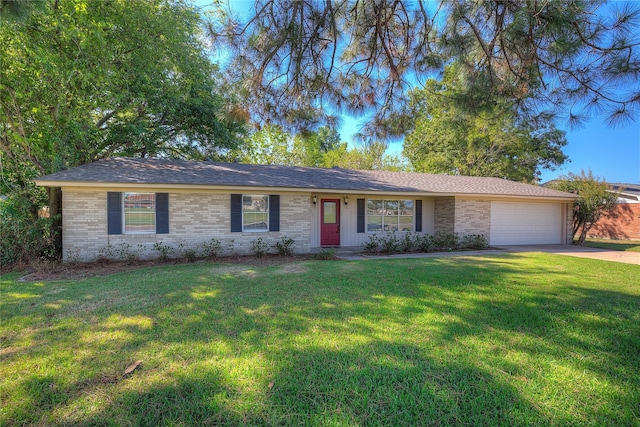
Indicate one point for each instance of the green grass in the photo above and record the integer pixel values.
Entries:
(614, 245)
(512, 339)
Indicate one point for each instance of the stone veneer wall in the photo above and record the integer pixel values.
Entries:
(194, 218)
(568, 224)
(444, 215)
(473, 217)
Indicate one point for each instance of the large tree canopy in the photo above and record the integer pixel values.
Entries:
(82, 80)
(307, 61)
(494, 141)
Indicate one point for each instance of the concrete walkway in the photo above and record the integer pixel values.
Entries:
(569, 250)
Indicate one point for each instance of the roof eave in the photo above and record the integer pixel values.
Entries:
(210, 187)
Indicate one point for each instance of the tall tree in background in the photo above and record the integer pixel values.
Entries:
(369, 156)
(272, 145)
(307, 61)
(596, 200)
(83, 80)
(492, 141)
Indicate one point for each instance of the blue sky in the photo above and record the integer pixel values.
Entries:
(612, 153)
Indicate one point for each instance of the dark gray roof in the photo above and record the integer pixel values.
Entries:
(156, 171)
(627, 188)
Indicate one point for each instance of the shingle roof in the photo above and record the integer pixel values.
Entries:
(627, 188)
(159, 171)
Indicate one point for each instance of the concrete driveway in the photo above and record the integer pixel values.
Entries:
(354, 253)
(579, 251)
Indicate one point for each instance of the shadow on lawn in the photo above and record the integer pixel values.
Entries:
(365, 377)
(387, 384)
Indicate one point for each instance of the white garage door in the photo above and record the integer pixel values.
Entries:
(525, 223)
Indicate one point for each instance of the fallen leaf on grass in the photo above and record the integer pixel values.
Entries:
(132, 367)
(271, 384)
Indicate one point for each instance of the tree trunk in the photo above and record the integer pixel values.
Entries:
(583, 234)
(55, 216)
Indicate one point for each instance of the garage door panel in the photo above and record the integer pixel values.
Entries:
(525, 223)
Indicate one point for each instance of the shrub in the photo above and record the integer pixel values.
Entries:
(23, 238)
(326, 255)
(211, 248)
(231, 249)
(446, 241)
(474, 241)
(424, 243)
(371, 247)
(164, 251)
(259, 247)
(389, 244)
(106, 253)
(190, 255)
(123, 252)
(284, 246)
(407, 242)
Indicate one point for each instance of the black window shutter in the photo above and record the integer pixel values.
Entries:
(418, 215)
(236, 212)
(360, 214)
(274, 212)
(162, 213)
(114, 213)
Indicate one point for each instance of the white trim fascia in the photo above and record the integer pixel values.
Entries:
(106, 186)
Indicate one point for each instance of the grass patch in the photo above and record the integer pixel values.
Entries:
(614, 245)
(511, 339)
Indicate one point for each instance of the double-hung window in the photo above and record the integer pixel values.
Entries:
(390, 215)
(255, 213)
(139, 213)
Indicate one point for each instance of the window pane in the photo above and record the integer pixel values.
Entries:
(255, 213)
(390, 215)
(391, 207)
(329, 212)
(391, 223)
(406, 223)
(139, 212)
(374, 207)
(406, 207)
(374, 223)
(255, 203)
(255, 221)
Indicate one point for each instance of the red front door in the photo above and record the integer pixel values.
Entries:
(330, 222)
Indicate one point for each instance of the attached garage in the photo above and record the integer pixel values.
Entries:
(518, 223)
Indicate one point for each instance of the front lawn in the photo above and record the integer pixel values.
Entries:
(509, 339)
(614, 245)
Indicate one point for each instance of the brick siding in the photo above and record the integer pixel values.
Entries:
(194, 218)
(444, 215)
(622, 224)
(568, 238)
(473, 217)
(84, 224)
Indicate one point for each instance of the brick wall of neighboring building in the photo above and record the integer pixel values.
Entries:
(194, 218)
(622, 224)
(473, 217)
